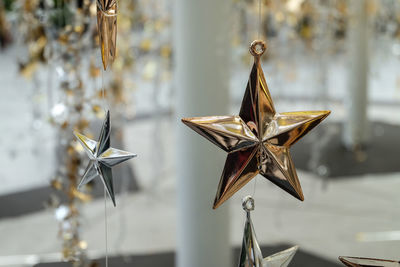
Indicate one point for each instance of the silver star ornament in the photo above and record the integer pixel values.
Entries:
(102, 158)
(251, 255)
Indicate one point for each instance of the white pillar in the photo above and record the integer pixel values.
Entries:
(202, 52)
(356, 124)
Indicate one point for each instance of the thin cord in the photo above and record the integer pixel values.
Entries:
(103, 91)
(105, 224)
(254, 187)
(105, 111)
(105, 193)
(259, 18)
(259, 34)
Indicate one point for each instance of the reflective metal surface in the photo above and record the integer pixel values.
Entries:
(102, 158)
(258, 140)
(361, 262)
(107, 26)
(250, 255)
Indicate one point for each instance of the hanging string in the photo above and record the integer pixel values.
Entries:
(254, 187)
(105, 193)
(103, 92)
(104, 104)
(259, 36)
(105, 224)
(259, 19)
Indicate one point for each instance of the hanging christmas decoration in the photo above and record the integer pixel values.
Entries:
(61, 39)
(51, 30)
(251, 255)
(102, 158)
(258, 140)
(107, 25)
(364, 262)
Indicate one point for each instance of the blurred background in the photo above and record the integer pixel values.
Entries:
(181, 58)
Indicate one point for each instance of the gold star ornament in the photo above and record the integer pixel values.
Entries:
(258, 140)
(365, 262)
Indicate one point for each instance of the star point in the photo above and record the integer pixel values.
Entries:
(365, 262)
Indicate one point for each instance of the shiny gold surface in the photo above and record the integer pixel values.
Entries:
(364, 262)
(258, 140)
(107, 26)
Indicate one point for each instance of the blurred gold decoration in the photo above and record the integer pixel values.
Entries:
(258, 140)
(280, 17)
(107, 27)
(82, 124)
(372, 7)
(60, 36)
(5, 35)
(81, 196)
(34, 36)
(102, 94)
(56, 184)
(146, 45)
(98, 110)
(306, 23)
(166, 51)
(55, 40)
(94, 71)
(64, 125)
(27, 70)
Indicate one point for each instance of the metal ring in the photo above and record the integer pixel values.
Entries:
(248, 203)
(257, 48)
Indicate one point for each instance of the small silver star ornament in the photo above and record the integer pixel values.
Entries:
(102, 158)
(251, 255)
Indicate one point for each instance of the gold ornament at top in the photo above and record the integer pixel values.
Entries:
(107, 26)
(258, 140)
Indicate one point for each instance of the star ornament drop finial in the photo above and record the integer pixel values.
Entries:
(365, 262)
(107, 27)
(258, 140)
(250, 255)
(102, 158)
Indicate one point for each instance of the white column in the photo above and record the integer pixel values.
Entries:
(202, 52)
(356, 124)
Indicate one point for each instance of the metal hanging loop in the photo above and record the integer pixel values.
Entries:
(248, 203)
(257, 48)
